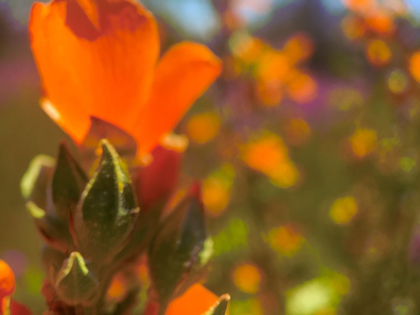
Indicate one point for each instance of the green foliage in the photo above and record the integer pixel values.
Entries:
(68, 182)
(97, 221)
(74, 282)
(180, 248)
(106, 215)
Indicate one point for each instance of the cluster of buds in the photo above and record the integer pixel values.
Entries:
(95, 228)
(103, 214)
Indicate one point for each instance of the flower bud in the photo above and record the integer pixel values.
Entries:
(180, 248)
(68, 183)
(105, 218)
(52, 229)
(34, 184)
(75, 284)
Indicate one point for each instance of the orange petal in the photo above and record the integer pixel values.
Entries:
(183, 74)
(94, 63)
(7, 280)
(195, 301)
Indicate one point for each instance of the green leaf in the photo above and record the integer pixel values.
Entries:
(52, 229)
(180, 248)
(68, 183)
(220, 307)
(35, 181)
(75, 284)
(105, 218)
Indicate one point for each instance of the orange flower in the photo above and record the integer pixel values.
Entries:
(195, 301)
(7, 288)
(100, 58)
(7, 280)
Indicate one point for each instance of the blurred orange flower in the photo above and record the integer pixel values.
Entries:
(197, 300)
(7, 280)
(7, 288)
(286, 240)
(100, 58)
(203, 127)
(414, 66)
(247, 278)
(363, 142)
(269, 155)
(378, 52)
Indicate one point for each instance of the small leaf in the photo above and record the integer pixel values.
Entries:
(180, 248)
(75, 284)
(34, 183)
(105, 218)
(220, 307)
(68, 183)
(53, 230)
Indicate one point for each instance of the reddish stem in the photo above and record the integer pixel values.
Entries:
(152, 308)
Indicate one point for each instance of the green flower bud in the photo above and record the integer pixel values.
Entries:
(52, 229)
(75, 284)
(105, 218)
(35, 182)
(180, 248)
(68, 183)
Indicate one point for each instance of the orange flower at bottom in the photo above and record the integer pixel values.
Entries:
(100, 58)
(195, 301)
(7, 288)
(7, 280)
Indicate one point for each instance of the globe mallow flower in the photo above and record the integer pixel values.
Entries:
(101, 58)
(7, 288)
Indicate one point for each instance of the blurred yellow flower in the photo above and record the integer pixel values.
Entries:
(378, 52)
(343, 210)
(273, 66)
(363, 142)
(397, 81)
(203, 127)
(285, 240)
(319, 296)
(246, 47)
(247, 278)
(217, 190)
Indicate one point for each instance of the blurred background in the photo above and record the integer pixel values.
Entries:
(308, 147)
